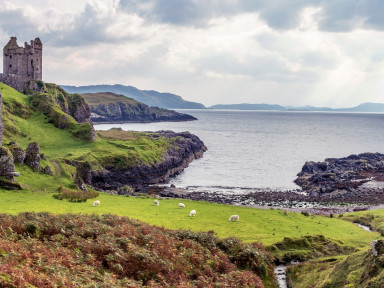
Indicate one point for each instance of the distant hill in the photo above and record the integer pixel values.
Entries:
(364, 107)
(246, 106)
(149, 97)
(109, 107)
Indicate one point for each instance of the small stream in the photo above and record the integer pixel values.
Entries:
(366, 228)
(281, 270)
(281, 275)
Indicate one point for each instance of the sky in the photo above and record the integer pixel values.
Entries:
(288, 52)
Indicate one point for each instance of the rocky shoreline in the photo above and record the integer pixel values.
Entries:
(353, 183)
(186, 147)
(285, 200)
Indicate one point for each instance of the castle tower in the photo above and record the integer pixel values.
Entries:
(25, 62)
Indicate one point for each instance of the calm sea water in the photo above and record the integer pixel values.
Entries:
(265, 150)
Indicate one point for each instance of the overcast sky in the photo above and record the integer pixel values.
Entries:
(290, 52)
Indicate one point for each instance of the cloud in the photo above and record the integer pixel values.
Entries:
(334, 15)
(305, 52)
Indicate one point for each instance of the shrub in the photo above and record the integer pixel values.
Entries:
(45, 250)
(75, 195)
(305, 213)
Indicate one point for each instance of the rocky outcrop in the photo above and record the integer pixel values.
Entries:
(33, 87)
(1, 120)
(7, 167)
(32, 156)
(126, 190)
(185, 149)
(17, 152)
(76, 116)
(339, 175)
(138, 112)
(48, 170)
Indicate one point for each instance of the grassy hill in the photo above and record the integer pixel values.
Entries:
(26, 120)
(149, 97)
(106, 98)
(110, 107)
(30, 118)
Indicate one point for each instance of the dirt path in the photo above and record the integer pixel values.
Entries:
(57, 169)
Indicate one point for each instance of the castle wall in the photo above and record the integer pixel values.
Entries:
(15, 81)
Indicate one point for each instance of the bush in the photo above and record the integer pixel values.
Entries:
(45, 250)
(75, 195)
(305, 213)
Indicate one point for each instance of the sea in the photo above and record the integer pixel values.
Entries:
(264, 150)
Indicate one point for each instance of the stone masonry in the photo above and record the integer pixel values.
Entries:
(21, 64)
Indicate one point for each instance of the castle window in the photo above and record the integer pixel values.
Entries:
(10, 56)
(10, 65)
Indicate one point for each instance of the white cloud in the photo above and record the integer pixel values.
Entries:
(211, 51)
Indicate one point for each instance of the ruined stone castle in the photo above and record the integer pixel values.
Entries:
(21, 64)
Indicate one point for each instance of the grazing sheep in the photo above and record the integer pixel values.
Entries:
(192, 213)
(156, 202)
(181, 205)
(234, 218)
(96, 203)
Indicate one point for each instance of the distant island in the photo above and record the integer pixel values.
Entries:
(364, 107)
(148, 97)
(111, 108)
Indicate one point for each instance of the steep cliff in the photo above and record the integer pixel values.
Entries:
(65, 156)
(182, 149)
(109, 107)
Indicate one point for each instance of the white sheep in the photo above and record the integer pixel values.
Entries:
(234, 218)
(192, 213)
(181, 205)
(156, 202)
(96, 203)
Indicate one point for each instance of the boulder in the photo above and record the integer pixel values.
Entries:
(126, 190)
(32, 157)
(7, 167)
(18, 153)
(48, 170)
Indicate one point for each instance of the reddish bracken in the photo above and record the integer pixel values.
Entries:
(46, 250)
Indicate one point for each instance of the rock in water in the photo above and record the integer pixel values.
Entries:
(32, 157)
(341, 174)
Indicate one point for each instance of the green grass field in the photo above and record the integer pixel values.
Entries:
(266, 226)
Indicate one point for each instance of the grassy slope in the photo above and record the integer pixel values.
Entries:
(358, 270)
(106, 98)
(266, 226)
(373, 219)
(57, 143)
